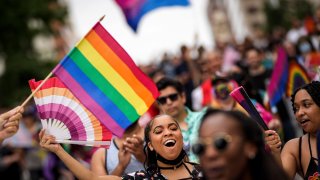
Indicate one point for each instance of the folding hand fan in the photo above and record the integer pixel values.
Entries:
(64, 117)
(241, 96)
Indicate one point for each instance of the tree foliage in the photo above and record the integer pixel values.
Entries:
(21, 22)
(283, 14)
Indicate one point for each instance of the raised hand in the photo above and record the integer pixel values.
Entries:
(9, 122)
(134, 145)
(273, 140)
(48, 142)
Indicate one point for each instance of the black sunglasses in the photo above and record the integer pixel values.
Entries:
(163, 100)
(220, 143)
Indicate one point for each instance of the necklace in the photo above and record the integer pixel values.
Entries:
(175, 163)
(171, 167)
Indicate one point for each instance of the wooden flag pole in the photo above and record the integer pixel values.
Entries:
(102, 18)
(31, 95)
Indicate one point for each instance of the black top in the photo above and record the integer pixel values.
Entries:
(195, 174)
(312, 171)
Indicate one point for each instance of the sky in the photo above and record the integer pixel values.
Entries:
(162, 30)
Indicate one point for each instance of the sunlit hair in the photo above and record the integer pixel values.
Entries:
(313, 89)
(150, 163)
(263, 165)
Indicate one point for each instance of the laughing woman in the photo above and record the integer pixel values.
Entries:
(165, 157)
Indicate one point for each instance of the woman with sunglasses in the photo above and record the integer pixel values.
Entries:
(165, 157)
(231, 146)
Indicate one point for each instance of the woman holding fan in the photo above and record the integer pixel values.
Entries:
(165, 157)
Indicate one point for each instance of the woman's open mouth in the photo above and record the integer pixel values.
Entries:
(170, 142)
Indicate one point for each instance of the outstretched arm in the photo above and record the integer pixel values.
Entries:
(48, 142)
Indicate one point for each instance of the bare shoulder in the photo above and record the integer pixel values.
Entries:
(99, 154)
(292, 147)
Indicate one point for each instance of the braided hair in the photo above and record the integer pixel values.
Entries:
(313, 89)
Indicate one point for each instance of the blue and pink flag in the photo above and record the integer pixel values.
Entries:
(278, 82)
(104, 78)
(134, 10)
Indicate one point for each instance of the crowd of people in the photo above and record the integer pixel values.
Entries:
(195, 129)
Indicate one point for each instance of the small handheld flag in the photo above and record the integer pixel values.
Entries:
(241, 96)
(297, 77)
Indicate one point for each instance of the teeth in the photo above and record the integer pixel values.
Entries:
(169, 141)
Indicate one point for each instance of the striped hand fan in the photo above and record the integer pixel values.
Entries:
(241, 96)
(64, 117)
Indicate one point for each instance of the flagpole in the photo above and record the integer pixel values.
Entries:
(31, 95)
(102, 18)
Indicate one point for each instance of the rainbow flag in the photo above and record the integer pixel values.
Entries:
(134, 10)
(104, 78)
(278, 81)
(297, 77)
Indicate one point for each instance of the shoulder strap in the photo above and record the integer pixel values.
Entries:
(311, 149)
(105, 159)
(300, 142)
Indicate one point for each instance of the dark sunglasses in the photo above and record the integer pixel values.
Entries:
(220, 143)
(163, 100)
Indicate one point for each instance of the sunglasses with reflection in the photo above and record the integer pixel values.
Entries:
(220, 143)
(163, 100)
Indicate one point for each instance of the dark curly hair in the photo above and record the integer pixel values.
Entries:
(312, 88)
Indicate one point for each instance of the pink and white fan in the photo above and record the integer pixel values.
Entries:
(63, 116)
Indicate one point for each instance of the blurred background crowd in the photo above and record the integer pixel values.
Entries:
(35, 36)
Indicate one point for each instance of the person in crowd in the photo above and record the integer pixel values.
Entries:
(222, 87)
(172, 101)
(209, 65)
(165, 157)
(256, 83)
(231, 146)
(9, 122)
(299, 155)
(112, 160)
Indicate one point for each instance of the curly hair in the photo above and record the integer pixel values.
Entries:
(312, 89)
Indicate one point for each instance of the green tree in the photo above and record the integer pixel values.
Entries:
(283, 14)
(21, 22)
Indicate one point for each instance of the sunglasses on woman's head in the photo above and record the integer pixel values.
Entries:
(163, 100)
(220, 143)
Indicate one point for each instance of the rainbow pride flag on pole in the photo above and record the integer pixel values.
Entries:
(104, 78)
(134, 10)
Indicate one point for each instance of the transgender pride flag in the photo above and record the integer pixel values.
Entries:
(104, 78)
(135, 9)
